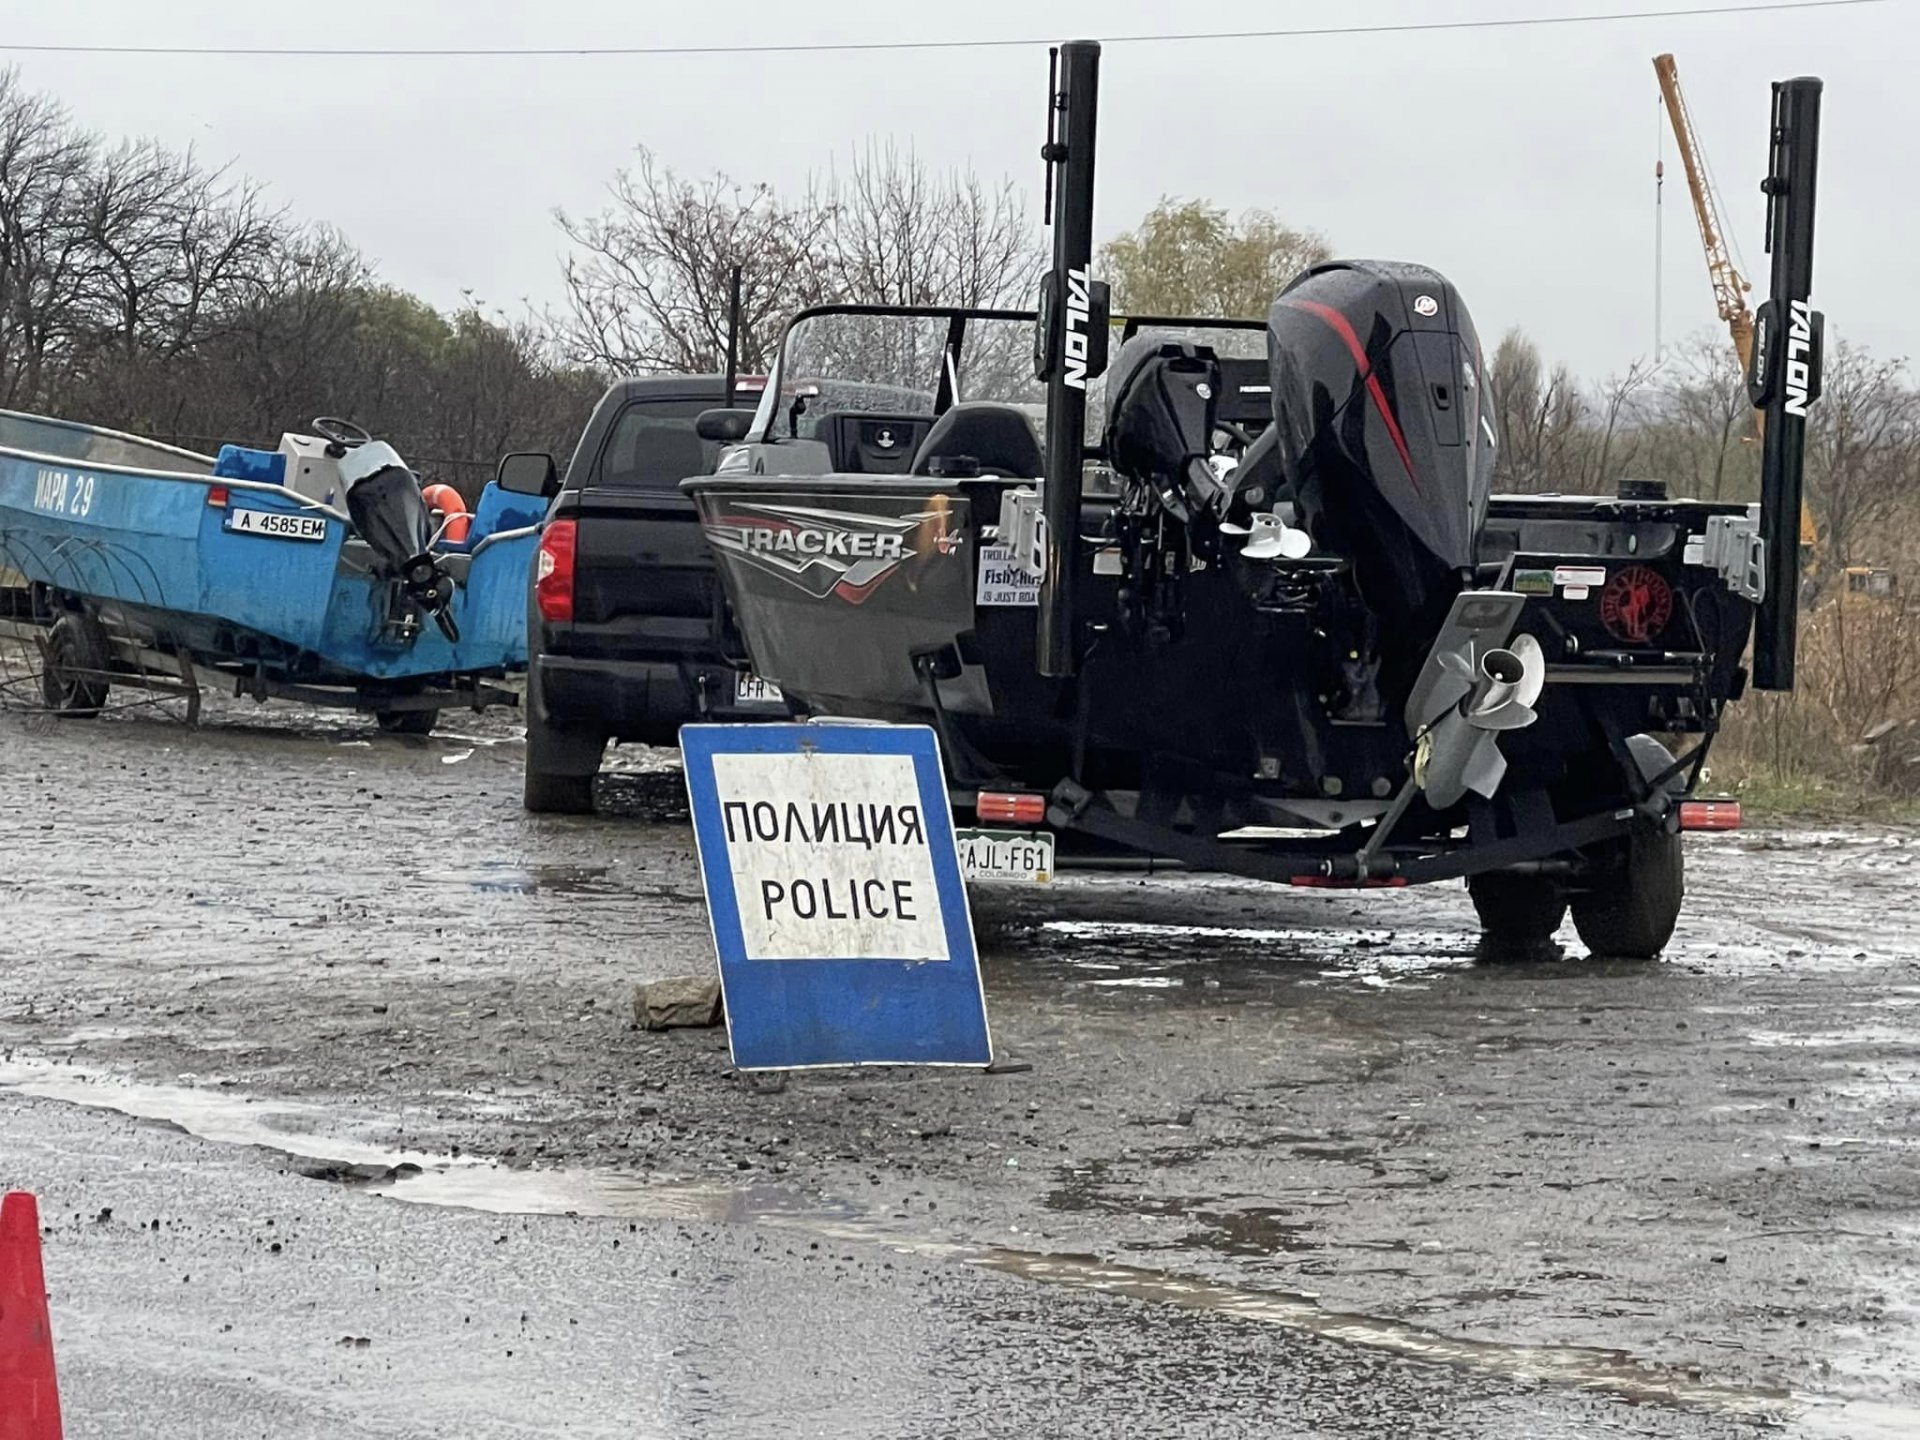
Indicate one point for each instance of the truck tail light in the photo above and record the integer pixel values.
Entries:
(1709, 814)
(553, 571)
(1010, 807)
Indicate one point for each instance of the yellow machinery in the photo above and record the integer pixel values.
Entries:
(1729, 286)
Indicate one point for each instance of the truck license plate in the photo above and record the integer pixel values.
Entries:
(1024, 857)
(749, 689)
(278, 524)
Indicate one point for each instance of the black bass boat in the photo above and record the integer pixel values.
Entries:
(1271, 620)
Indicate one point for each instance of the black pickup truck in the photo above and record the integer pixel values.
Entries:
(629, 634)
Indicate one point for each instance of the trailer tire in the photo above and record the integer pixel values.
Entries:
(77, 643)
(1518, 910)
(1631, 911)
(406, 722)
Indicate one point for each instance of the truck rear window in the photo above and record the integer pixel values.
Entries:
(654, 446)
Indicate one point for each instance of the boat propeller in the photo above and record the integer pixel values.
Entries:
(1270, 538)
(1473, 689)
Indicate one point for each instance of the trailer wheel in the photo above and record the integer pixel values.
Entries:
(406, 722)
(1518, 910)
(1634, 904)
(73, 681)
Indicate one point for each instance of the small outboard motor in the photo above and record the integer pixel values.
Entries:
(1160, 422)
(390, 514)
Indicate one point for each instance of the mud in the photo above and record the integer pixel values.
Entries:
(1693, 1183)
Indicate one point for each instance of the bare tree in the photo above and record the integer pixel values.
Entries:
(1704, 442)
(1540, 419)
(648, 288)
(44, 167)
(1863, 452)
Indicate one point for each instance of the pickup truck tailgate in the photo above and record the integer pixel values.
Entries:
(644, 581)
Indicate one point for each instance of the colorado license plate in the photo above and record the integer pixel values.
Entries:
(752, 690)
(278, 524)
(1022, 856)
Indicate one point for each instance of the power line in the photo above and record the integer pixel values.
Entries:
(823, 47)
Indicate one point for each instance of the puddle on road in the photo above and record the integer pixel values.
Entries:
(1612, 1372)
(287, 1127)
(1169, 953)
(501, 877)
(472, 1184)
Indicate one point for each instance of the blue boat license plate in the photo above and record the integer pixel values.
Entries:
(277, 524)
(1023, 857)
(749, 689)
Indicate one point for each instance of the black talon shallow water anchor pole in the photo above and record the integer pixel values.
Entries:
(1785, 375)
(1070, 345)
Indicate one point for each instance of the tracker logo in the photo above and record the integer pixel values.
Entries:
(826, 552)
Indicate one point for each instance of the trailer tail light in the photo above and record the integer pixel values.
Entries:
(1709, 814)
(553, 571)
(1010, 807)
(217, 496)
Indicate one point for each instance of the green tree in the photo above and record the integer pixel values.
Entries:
(1187, 257)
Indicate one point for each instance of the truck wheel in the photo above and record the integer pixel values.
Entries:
(553, 783)
(1634, 904)
(406, 722)
(1518, 910)
(73, 681)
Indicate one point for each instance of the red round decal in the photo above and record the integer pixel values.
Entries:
(1636, 604)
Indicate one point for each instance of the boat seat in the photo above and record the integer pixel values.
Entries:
(497, 511)
(998, 438)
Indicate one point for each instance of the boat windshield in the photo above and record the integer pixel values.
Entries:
(917, 362)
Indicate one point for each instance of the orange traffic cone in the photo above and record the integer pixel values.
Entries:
(29, 1397)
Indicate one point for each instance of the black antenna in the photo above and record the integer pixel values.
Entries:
(1049, 152)
(1784, 378)
(733, 332)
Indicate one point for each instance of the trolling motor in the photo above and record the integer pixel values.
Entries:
(389, 512)
(1160, 420)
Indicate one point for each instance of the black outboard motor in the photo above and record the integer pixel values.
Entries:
(390, 514)
(1160, 422)
(1386, 431)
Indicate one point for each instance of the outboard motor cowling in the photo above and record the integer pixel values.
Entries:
(390, 514)
(1386, 429)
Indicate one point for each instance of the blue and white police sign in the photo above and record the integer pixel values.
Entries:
(839, 913)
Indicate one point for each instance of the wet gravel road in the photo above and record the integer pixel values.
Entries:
(1285, 1163)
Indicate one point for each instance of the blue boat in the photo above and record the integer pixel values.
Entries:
(319, 571)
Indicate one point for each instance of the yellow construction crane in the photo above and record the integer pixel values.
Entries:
(1729, 286)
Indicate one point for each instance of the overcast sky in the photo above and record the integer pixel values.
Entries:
(1519, 162)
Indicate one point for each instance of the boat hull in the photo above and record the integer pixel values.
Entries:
(161, 548)
(941, 619)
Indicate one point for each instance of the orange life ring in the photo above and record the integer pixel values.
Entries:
(453, 510)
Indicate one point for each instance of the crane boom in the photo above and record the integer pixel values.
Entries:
(1729, 287)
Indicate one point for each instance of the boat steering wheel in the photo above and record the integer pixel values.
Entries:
(341, 435)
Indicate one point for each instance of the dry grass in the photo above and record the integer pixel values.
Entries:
(1847, 739)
